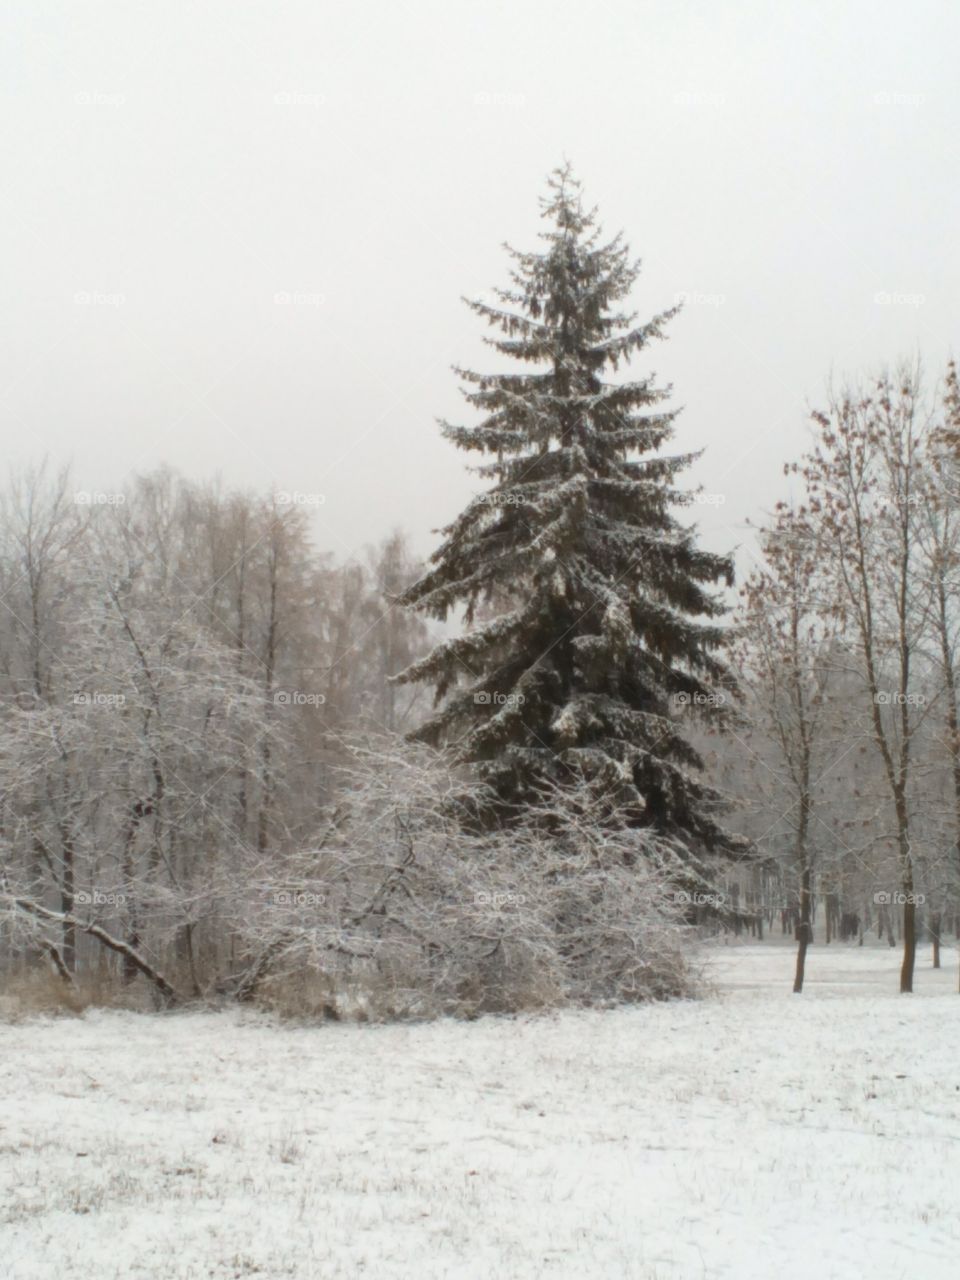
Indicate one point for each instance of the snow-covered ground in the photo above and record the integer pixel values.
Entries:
(753, 1135)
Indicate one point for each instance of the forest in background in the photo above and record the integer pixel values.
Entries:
(222, 773)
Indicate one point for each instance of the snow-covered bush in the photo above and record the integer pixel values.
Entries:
(403, 909)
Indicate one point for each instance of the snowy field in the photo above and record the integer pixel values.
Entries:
(757, 1134)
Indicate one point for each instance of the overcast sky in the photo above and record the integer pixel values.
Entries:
(170, 169)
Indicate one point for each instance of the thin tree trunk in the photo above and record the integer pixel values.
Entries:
(804, 930)
(910, 903)
(67, 890)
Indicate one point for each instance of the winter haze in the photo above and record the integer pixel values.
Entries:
(479, 640)
(783, 165)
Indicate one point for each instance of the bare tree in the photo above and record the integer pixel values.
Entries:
(788, 634)
(862, 479)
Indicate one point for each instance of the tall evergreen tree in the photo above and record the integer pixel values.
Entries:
(603, 623)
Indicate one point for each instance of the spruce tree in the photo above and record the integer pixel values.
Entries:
(589, 618)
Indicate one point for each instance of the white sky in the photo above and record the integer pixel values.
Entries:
(784, 163)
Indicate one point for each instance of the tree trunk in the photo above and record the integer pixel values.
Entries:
(909, 945)
(804, 931)
(910, 901)
(67, 890)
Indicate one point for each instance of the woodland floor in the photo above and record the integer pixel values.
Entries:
(752, 1134)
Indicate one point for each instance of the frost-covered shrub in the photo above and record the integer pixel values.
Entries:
(400, 909)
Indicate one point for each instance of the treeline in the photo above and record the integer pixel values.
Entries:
(846, 765)
(187, 686)
(178, 667)
(202, 778)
